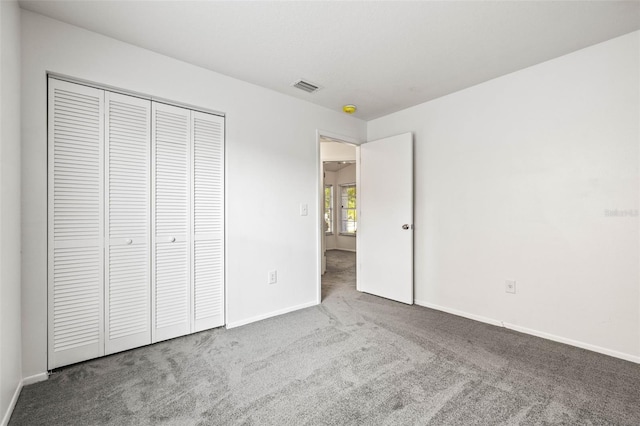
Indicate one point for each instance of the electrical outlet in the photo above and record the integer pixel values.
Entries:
(272, 277)
(510, 286)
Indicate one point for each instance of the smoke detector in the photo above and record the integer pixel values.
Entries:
(349, 109)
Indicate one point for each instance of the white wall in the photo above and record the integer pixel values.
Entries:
(10, 336)
(513, 179)
(337, 151)
(346, 175)
(272, 167)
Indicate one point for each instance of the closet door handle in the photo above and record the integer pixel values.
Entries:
(129, 241)
(172, 239)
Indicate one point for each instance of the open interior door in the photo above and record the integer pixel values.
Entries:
(385, 220)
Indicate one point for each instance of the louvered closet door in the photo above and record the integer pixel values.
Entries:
(128, 253)
(75, 216)
(171, 211)
(208, 220)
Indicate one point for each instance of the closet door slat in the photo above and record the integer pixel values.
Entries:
(171, 154)
(128, 215)
(75, 223)
(207, 220)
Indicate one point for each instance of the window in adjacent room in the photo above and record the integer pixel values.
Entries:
(348, 217)
(328, 209)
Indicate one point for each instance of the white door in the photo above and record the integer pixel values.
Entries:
(76, 203)
(127, 187)
(171, 282)
(385, 221)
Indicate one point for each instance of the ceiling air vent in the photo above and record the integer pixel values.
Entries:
(306, 86)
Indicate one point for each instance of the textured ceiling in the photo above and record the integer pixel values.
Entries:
(381, 56)
(334, 166)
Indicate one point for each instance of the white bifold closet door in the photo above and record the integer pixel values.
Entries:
(135, 222)
(171, 277)
(208, 221)
(128, 195)
(75, 223)
(188, 221)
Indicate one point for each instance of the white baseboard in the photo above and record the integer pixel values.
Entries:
(270, 315)
(24, 382)
(458, 313)
(525, 330)
(12, 405)
(576, 343)
(35, 379)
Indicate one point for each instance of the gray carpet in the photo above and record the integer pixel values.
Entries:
(355, 360)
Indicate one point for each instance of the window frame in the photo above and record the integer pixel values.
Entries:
(345, 187)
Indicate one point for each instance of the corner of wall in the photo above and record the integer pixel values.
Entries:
(10, 220)
(11, 406)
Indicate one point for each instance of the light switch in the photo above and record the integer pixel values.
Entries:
(304, 210)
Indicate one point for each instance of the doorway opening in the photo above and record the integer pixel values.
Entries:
(338, 214)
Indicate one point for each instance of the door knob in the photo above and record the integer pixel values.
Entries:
(405, 226)
(172, 239)
(129, 241)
